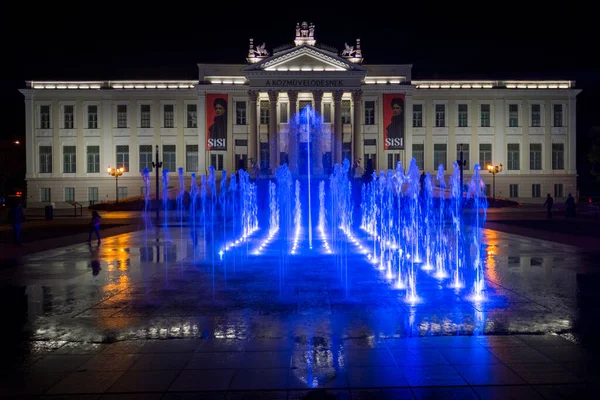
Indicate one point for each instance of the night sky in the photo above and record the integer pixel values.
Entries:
(102, 41)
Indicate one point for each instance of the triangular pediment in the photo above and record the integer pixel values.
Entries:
(304, 58)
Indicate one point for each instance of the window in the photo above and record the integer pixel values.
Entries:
(513, 115)
(440, 115)
(370, 142)
(439, 155)
(558, 191)
(485, 155)
(241, 142)
(45, 195)
(418, 153)
(169, 158)
(169, 115)
(45, 117)
(535, 156)
(145, 116)
(264, 112)
(283, 113)
(346, 115)
(69, 116)
(192, 116)
(69, 194)
(191, 157)
(347, 151)
(393, 160)
(264, 156)
(216, 161)
(558, 156)
(93, 159)
(558, 115)
(514, 190)
(417, 116)
(373, 158)
(92, 117)
(123, 157)
(463, 115)
(122, 116)
(536, 190)
(93, 195)
(145, 157)
(122, 191)
(536, 115)
(369, 113)
(240, 113)
(241, 161)
(303, 103)
(488, 189)
(327, 113)
(46, 159)
(465, 150)
(485, 115)
(69, 159)
(513, 156)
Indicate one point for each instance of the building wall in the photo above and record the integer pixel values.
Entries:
(107, 136)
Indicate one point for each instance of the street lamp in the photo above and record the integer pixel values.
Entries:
(116, 172)
(494, 169)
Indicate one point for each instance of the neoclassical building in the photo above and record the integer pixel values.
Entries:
(237, 115)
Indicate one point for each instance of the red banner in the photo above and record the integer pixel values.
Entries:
(216, 121)
(393, 121)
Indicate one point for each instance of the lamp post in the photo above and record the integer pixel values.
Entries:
(116, 172)
(156, 165)
(494, 169)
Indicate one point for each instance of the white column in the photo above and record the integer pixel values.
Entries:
(499, 150)
(292, 133)
(253, 140)
(273, 135)
(337, 136)
(201, 123)
(571, 126)
(108, 150)
(30, 137)
(406, 155)
(318, 138)
(357, 139)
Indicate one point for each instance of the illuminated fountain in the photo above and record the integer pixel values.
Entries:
(413, 226)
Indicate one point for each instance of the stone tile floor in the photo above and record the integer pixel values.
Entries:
(152, 316)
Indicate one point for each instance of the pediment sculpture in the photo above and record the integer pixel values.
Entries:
(348, 50)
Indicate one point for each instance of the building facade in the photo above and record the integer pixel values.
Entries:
(237, 115)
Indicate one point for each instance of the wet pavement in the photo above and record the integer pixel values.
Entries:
(146, 316)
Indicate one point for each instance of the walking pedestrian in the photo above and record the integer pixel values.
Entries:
(16, 217)
(95, 226)
(549, 203)
(570, 212)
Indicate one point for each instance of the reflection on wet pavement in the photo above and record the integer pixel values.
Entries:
(261, 325)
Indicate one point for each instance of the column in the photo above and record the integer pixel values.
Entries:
(570, 120)
(293, 134)
(357, 139)
(317, 138)
(338, 136)
(253, 140)
(273, 137)
(201, 123)
(30, 149)
(107, 151)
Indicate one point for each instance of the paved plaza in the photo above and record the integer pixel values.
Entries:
(155, 315)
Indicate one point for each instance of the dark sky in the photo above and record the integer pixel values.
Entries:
(104, 41)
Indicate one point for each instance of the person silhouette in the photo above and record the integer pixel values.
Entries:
(549, 203)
